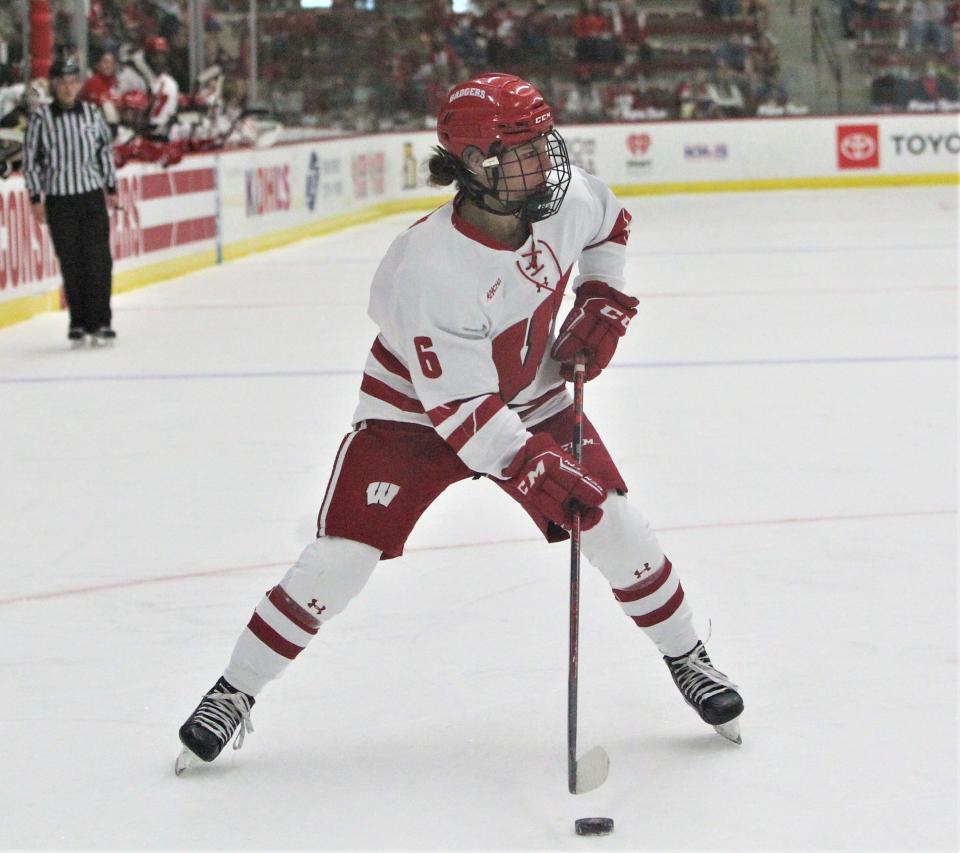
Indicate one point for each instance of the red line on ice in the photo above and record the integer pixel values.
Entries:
(133, 582)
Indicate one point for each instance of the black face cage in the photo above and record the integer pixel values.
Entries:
(543, 191)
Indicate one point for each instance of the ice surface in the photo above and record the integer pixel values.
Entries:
(784, 409)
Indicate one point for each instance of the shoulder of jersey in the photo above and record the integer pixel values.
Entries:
(430, 226)
(427, 244)
(427, 262)
(580, 184)
(421, 251)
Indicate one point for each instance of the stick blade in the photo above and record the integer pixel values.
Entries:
(592, 770)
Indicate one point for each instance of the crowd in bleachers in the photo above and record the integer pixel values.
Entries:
(357, 68)
(368, 66)
(599, 60)
(910, 50)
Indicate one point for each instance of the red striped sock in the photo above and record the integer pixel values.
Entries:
(656, 603)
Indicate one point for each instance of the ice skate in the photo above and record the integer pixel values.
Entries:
(708, 691)
(223, 711)
(77, 337)
(103, 337)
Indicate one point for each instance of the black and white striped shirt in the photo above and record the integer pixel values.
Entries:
(67, 152)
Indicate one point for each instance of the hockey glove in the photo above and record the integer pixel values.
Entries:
(555, 483)
(595, 324)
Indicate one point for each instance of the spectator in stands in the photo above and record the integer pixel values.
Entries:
(769, 89)
(500, 25)
(938, 25)
(735, 52)
(759, 13)
(535, 45)
(630, 27)
(593, 32)
(725, 93)
(863, 15)
(927, 24)
(340, 102)
(858, 16)
(138, 20)
(437, 15)
(720, 8)
(583, 101)
(97, 24)
(933, 86)
(763, 69)
(693, 98)
(462, 36)
(890, 91)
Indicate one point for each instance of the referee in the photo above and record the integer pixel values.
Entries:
(67, 166)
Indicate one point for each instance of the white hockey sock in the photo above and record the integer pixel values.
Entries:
(626, 551)
(329, 573)
(657, 604)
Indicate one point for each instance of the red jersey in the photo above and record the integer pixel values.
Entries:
(99, 89)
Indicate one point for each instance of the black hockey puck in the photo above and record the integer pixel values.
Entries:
(594, 825)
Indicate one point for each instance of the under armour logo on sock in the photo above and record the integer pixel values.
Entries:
(315, 605)
(646, 568)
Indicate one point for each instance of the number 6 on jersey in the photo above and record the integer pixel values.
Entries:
(429, 362)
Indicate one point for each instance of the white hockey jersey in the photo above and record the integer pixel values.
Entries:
(466, 324)
(164, 91)
(164, 103)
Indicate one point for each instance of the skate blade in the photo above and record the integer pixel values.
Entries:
(185, 760)
(80, 344)
(592, 770)
(731, 731)
(100, 343)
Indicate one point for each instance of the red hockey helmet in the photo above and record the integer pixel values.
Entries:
(132, 108)
(490, 109)
(156, 44)
(134, 100)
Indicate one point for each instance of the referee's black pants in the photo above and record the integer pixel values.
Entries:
(80, 228)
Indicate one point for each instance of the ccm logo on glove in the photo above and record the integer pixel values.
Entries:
(594, 326)
(616, 315)
(555, 483)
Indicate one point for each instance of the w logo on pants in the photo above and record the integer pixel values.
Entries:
(381, 493)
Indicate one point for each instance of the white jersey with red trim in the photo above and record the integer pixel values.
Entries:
(165, 100)
(466, 324)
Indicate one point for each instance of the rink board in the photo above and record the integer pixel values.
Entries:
(212, 208)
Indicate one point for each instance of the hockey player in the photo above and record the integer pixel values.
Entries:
(164, 91)
(466, 377)
(132, 142)
(146, 71)
(101, 87)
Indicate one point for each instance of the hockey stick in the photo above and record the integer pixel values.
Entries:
(590, 770)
